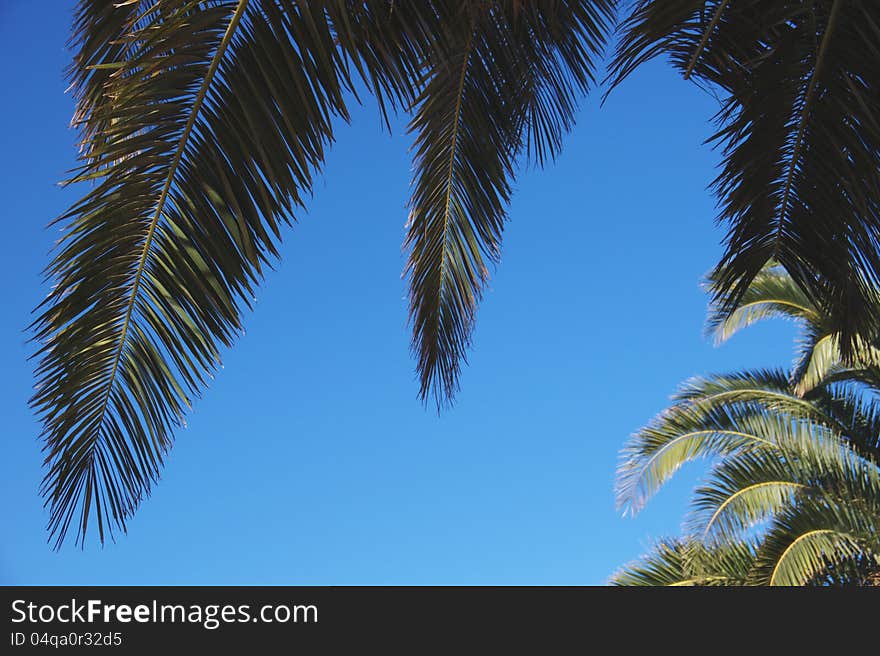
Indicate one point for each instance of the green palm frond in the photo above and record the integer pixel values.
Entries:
(741, 493)
(499, 80)
(799, 132)
(664, 565)
(809, 463)
(202, 126)
(821, 357)
(677, 437)
(795, 459)
(772, 294)
(688, 563)
(770, 385)
(811, 538)
(710, 417)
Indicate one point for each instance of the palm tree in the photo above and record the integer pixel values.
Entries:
(203, 123)
(794, 495)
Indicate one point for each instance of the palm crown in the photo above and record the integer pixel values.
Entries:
(794, 495)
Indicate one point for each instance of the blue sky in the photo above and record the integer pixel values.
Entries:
(310, 460)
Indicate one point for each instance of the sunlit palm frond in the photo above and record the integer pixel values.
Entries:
(821, 357)
(799, 131)
(795, 461)
(741, 493)
(712, 417)
(772, 294)
(809, 464)
(688, 563)
(814, 538)
(771, 387)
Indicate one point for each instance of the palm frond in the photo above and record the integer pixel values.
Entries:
(822, 357)
(498, 80)
(853, 405)
(202, 125)
(812, 538)
(796, 457)
(203, 122)
(772, 294)
(799, 131)
(688, 563)
(731, 503)
(665, 564)
(810, 463)
(711, 417)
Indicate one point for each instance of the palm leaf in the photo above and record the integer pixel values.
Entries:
(796, 458)
(771, 295)
(498, 80)
(665, 564)
(774, 294)
(812, 538)
(848, 397)
(202, 124)
(799, 130)
(688, 563)
(658, 451)
(712, 417)
(810, 463)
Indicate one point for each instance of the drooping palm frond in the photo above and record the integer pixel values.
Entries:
(799, 130)
(202, 124)
(500, 79)
(689, 563)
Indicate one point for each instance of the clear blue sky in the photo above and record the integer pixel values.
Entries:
(310, 460)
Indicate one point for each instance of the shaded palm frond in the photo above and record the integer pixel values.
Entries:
(799, 131)
(499, 79)
(388, 42)
(850, 398)
(202, 125)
